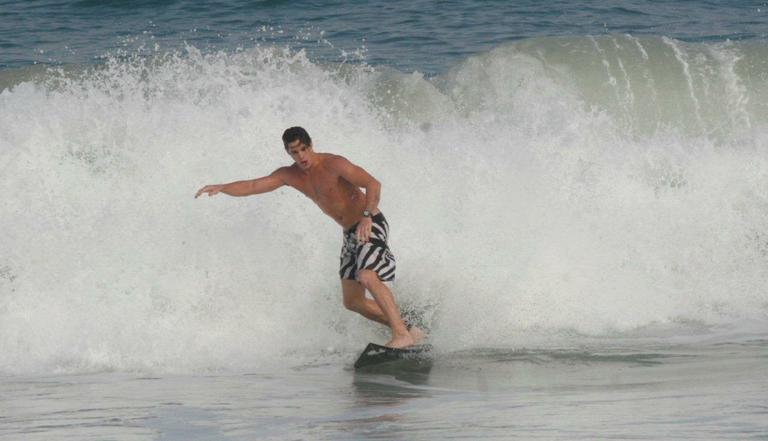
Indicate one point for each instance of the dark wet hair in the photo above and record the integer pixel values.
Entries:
(294, 133)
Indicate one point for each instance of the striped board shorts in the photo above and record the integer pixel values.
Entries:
(372, 255)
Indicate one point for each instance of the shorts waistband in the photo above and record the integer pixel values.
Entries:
(376, 217)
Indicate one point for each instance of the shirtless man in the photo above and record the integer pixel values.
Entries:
(334, 183)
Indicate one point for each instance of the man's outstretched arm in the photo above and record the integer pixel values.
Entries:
(246, 188)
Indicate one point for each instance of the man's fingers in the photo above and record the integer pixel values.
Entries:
(210, 189)
(363, 234)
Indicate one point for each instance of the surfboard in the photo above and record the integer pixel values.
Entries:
(377, 354)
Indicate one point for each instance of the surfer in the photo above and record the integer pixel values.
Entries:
(334, 183)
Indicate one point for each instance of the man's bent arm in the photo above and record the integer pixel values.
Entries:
(246, 188)
(372, 194)
(361, 178)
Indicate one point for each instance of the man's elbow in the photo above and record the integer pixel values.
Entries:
(373, 187)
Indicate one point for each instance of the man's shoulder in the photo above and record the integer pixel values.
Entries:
(331, 157)
(334, 162)
(286, 172)
(285, 169)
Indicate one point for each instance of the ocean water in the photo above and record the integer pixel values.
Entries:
(578, 196)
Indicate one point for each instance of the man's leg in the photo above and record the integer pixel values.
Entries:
(355, 300)
(387, 307)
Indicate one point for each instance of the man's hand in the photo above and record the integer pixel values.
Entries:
(210, 189)
(364, 229)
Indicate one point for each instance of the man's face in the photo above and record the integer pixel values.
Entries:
(301, 153)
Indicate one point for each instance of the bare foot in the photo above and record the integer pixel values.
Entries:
(400, 341)
(416, 334)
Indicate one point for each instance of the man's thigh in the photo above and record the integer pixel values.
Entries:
(352, 290)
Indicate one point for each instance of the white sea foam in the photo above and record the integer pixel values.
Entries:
(529, 196)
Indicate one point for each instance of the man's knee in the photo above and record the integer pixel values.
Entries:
(352, 303)
(367, 278)
(354, 293)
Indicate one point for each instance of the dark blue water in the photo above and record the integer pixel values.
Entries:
(428, 36)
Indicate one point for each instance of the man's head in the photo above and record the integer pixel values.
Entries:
(292, 134)
(298, 144)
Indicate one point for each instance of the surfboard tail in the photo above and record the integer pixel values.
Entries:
(375, 354)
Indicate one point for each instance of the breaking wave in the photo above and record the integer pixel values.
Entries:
(584, 187)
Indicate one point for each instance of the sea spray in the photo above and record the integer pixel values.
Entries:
(590, 186)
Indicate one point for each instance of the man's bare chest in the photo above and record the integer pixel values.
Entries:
(320, 188)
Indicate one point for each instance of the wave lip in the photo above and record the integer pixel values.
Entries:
(645, 85)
